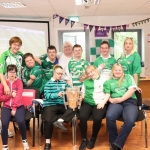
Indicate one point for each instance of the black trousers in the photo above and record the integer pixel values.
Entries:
(52, 113)
(85, 111)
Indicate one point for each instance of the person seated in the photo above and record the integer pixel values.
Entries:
(123, 102)
(75, 70)
(53, 104)
(94, 102)
(13, 106)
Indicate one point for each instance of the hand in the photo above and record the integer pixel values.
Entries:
(80, 98)
(32, 77)
(83, 77)
(69, 82)
(100, 105)
(102, 66)
(58, 56)
(115, 100)
(60, 94)
(14, 93)
(13, 113)
(7, 90)
(139, 90)
(37, 60)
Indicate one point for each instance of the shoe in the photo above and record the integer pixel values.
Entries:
(83, 144)
(134, 126)
(115, 147)
(16, 126)
(47, 146)
(5, 147)
(91, 144)
(60, 125)
(111, 146)
(25, 144)
(10, 135)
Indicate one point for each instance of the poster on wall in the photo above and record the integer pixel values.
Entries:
(99, 33)
(148, 38)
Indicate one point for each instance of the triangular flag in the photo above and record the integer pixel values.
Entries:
(61, 19)
(66, 21)
(119, 28)
(136, 23)
(107, 30)
(139, 23)
(90, 27)
(133, 24)
(72, 23)
(96, 28)
(124, 27)
(85, 26)
(128, 25)
(113, 28)
(144, 21)
(55, 16)
(102, 29)
(147, 20)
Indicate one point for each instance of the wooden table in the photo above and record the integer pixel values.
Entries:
(145, 86)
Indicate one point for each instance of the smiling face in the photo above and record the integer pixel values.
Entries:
(14, 47)
(11, 75)
(58, 72)
(30, 62)
(51, 53)
(118, 72)
(92, 72)
(104, 50)
(67, 49)
(128, 44)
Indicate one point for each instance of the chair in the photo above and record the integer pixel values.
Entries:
(142, 116)
(27, 96)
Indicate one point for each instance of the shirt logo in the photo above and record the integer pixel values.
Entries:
(129, 62)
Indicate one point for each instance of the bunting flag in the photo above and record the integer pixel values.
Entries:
(107, 30)
(66, 21)
(119, 28)
(133, 24)
(61, 19)
(144, 21)
(90, 27)
(113, 28)
(124, 27)
(136, 23)
(147, 20)
(85, 26)
(72, 23)
(102, 28)
(96, 28)
(139, 23)
(55, 16)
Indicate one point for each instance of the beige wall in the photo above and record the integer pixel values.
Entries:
(106, 21)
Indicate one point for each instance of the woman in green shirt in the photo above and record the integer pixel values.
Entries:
(121, 88)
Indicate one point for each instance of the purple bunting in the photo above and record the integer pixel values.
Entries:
(102, 29)
(96, 28)
(113, 28)
(72, 23)
(61, 19)
(66, 21)
(90, 27)
(107, 29)
(55, 16)
(119, 28)
(124, 27)
(85, 26)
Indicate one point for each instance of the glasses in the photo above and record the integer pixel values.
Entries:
(12, 72)
(60, 74)
(17, 45)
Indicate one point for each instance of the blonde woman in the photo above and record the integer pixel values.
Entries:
(94, 102)
(130, 60)
(121, 88)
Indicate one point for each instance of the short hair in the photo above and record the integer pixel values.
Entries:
(11, 67)
(65, 43)
(15, 39)
(105, 42)
(51, 47)
(92, 68)
(76, 45)
(57, 66)
(27, 55)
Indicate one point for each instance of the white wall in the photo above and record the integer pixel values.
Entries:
(106, 21)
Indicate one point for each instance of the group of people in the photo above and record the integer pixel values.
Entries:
(107, 89)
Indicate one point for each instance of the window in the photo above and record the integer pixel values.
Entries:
(119, 38)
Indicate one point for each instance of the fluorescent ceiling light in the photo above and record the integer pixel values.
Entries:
(86, 2)
(13, 5)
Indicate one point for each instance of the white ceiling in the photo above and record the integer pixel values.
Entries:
(46, 8)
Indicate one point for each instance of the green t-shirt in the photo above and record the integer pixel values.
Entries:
(37, 72)
(75, 70)
(93, 91)
(8, 58)
(115, 91)
(109, 62)
(131, 64)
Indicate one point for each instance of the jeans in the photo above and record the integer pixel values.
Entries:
(129, 111)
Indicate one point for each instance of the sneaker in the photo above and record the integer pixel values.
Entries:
(59, 125)
(25, 145)
(134, 126)
(91, 144)
(115, 147)
(10, 135)
(47, 146)
(5, 147)
(83, 144)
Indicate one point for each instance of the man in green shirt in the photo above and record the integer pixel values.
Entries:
(75, 71)
(105, 61)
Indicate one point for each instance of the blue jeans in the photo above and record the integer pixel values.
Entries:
(129, 111)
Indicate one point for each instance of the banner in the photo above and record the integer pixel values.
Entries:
(91, 27)
(96, 28)
(55, 16)
(60, 19)
(66, 21)
(124, 27)
(72, 23)
(85, 26)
